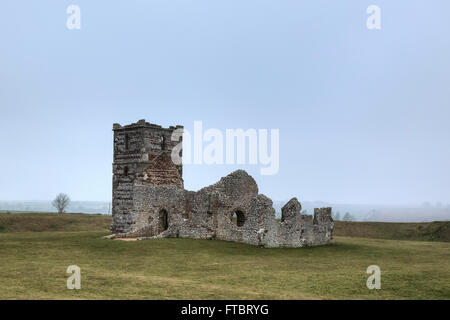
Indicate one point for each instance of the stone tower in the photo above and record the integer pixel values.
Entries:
(142, 157)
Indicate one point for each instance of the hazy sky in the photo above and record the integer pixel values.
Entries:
(364, 115)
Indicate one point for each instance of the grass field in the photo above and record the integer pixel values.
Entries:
(427, 231)
(33, 265)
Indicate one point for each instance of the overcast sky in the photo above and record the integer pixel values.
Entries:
(363, 114)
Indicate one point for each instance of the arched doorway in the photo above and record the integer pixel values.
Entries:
(238, 218)
(163, 220)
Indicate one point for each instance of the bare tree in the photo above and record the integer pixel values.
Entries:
(337, 216)
(61, 202)
(348, 217)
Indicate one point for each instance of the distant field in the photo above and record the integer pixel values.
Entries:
(38, 222)
(428, 231)
(33, 265)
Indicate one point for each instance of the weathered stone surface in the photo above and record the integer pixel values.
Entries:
(149, 199)
(291, 209)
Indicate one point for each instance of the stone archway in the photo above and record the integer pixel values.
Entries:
(163, 220)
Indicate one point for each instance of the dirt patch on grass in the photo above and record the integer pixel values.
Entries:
(126, 239)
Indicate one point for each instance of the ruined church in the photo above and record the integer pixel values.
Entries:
(149, 199)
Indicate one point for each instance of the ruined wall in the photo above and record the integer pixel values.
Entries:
(149, 199)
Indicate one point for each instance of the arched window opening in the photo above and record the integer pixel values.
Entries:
(125, 171)
(163, 220)
(238, 218)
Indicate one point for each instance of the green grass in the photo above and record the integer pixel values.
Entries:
(33, 266)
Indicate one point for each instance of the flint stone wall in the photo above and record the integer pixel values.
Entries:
(208, 214)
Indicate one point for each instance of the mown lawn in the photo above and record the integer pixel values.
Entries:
(33, 266)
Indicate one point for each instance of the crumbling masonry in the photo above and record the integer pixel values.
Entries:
(149, 199)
